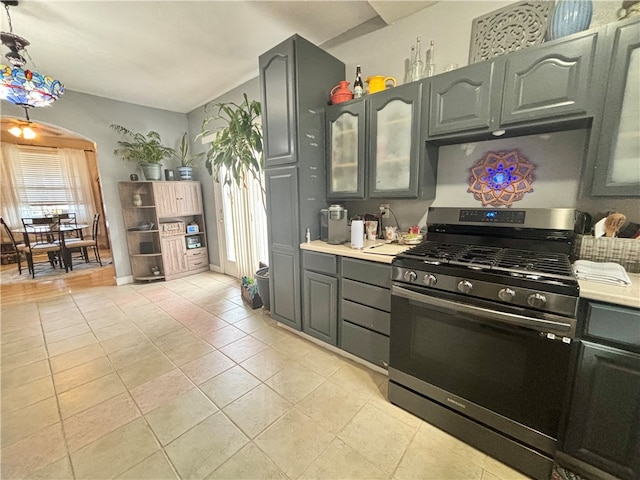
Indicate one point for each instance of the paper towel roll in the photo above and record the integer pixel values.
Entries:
(357, 234)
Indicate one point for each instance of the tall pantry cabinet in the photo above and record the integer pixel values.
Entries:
(295, 80)
(164, 224)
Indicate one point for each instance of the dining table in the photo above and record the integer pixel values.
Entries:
(54, 228)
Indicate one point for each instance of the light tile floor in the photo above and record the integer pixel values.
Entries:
(181, 380)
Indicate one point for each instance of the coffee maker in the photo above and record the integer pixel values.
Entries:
(333, 225)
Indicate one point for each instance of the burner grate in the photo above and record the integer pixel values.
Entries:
(520, 263)
(531, 263)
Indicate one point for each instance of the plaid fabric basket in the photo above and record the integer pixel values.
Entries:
(625, 251)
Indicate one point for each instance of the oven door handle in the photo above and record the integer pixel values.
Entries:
(560, 326)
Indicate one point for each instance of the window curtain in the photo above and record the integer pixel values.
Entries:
(249, 224)
(79, 182)
(35, 177)
(8, 195)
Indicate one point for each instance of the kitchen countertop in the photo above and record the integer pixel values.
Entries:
(383, 253)
(626, 296)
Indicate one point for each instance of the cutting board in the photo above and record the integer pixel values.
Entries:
(390, 249)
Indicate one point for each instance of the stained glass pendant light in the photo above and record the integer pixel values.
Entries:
(21, 86)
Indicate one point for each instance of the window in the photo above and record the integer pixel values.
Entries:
(41, 181)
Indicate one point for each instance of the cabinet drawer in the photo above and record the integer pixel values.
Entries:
(196, 252)
(366, 317)
(320, 262)
(365, 344)
(197, 262)
(367, 272)
(369, 295)
(614, 323)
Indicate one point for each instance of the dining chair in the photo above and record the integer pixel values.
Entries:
(41, 229)
(44, 243)
(83, 244)
(69, 219)
(19, 249)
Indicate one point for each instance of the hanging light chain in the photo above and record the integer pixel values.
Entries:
(6, 7)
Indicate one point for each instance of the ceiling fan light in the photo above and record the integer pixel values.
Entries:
(15, 131)
(28, 133)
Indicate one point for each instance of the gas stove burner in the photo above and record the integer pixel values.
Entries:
(532, 265)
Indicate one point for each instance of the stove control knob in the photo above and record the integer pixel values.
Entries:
(506, 294)
(410, 276)
(465, 286)
(536, 300)
(429, 280)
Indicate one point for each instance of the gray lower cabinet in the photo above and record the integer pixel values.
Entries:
(284, 266)
(364, 310)
(603, 428)
(320, 317)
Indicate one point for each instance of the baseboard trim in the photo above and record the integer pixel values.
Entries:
(124, 280)
(335, 349)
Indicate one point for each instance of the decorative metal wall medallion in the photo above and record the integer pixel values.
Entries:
(508, 29)
(501, 178)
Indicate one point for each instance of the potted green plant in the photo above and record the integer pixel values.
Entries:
(147, 150)
(236, 150)
(182, 154)
(235, 153)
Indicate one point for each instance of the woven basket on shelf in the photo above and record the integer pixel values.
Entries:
(172, 228)
(625, 251)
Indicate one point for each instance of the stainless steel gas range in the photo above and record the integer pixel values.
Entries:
(483, 314)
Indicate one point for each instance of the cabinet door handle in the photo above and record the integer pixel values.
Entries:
(309, 135)
(312, 111)
(196, 264)
(313, 144)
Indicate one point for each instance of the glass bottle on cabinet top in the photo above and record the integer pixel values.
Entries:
(345, 144)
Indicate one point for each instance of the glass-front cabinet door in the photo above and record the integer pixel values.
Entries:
(345, 150)
(394, 142)
(618, 161)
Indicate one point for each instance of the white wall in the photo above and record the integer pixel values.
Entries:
(558, 160)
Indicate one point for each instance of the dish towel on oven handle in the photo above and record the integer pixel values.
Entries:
(602, 272)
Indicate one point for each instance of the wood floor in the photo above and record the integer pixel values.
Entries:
(38, 289)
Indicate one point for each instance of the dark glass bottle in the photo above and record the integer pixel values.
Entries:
(358, 86)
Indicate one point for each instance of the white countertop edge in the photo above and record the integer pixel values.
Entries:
(346, 251)
(626, 296)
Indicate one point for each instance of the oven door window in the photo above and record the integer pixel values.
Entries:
(509, 370)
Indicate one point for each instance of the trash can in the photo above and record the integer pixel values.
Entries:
(262, 279)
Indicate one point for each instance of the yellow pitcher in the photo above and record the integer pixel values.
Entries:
(378, 83)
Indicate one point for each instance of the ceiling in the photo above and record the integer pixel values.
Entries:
(178, 55)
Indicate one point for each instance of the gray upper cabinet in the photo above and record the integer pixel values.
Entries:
(617, 164)
(549, 82)
(539, 85)
(385, 147)
(278, 104)
(461, 101)
(394, 142)
(346, 150)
